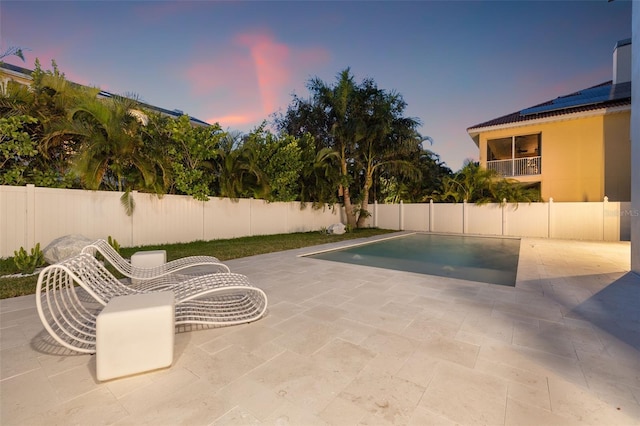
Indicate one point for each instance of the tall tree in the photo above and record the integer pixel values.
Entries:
(365, 129)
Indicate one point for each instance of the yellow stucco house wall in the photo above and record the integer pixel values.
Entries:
(583, 157)
(576, 147)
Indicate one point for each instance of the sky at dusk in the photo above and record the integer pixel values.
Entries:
(456, 63)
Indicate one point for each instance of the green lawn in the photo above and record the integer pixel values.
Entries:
(222, 249)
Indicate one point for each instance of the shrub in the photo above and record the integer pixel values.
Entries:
(27, 263)
(114, 243)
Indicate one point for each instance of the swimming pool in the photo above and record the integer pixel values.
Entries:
(486, 259)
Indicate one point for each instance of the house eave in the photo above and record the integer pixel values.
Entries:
(15, 75)
(475, 132)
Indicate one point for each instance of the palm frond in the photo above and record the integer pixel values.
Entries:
(128, 202)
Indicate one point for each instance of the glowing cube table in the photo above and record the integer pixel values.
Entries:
(148, 259)
(135, 334)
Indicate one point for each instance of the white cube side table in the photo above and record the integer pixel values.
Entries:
(147, 259)
(135, 334)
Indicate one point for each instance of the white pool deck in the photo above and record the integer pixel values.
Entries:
(347, 345)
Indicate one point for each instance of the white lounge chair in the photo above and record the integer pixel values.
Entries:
(71, 294)
(163, 275)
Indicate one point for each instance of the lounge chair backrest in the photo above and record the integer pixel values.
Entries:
(171, 270)
(91, 275)
(110, 254)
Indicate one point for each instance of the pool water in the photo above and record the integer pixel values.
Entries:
(485, 259)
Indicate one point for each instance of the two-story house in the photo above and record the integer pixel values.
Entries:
(576, 147)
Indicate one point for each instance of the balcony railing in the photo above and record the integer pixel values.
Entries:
(517, 167)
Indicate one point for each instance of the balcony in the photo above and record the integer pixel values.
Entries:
(528, 166)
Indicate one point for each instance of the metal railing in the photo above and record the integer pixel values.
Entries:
(517, 167)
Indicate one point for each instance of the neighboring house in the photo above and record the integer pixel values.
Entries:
(23, 76)
(576, 147)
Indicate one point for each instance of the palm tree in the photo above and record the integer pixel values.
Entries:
(363, 126)
(237, 171)
(343, 129)
(471, 183)
(320, 177)
(111, 154)
(389, 143)
(12, 51)
(476, 184)
(428, 186)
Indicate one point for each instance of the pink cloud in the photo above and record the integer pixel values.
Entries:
(251, 77)
(223, 71)
(584, 79)
(272, 62)
(232, 120)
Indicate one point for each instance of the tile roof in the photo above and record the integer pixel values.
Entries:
(15, 68)
(173, 113)
(604, 95)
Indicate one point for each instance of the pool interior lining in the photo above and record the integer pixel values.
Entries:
(491, 260)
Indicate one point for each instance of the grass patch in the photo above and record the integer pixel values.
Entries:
(222, 249)
(8, 267)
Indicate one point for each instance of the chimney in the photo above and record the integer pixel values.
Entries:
(622, 62)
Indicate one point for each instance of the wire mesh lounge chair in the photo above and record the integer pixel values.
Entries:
(156, 277)
(71, 294)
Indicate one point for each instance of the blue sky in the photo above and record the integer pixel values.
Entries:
(456, 63)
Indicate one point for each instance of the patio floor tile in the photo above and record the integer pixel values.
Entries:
(466, 396)
(346, 344)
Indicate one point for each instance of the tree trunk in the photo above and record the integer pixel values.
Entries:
(346, 194)
(348, 207)
(364, 207)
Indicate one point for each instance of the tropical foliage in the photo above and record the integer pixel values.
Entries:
(12, 51)
(281, 160)
(361, 132)
(347, 143)
(475, 184)
(191, 153)
(42, 108)
(16, 148)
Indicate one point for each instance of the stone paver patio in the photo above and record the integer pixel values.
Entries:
(347, 345)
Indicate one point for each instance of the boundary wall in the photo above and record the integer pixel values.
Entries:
(30, 215)
(597, 221)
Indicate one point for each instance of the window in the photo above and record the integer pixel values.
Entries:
(499, 149)
(527, 146)
(514, 147)
(515, 155)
